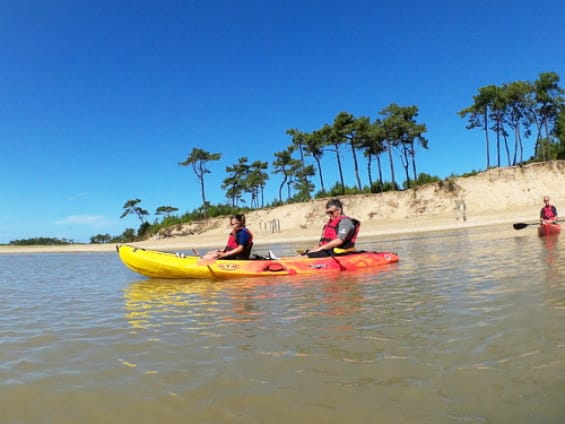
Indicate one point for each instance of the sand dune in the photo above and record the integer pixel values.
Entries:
(496, 196)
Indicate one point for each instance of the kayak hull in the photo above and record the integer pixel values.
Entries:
(159, 264)
(548, 229)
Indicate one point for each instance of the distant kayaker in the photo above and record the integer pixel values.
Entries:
(338, 235)
(239, 244)
(548, 213)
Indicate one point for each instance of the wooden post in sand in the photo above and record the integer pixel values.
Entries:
(461, 208)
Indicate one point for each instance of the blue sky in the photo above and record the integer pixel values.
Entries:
(100, 100)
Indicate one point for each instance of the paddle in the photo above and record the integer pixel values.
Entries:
(204, 261)
(522, 225)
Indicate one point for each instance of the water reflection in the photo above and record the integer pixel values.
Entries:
(146, 300)
(153, 303)
(554, 271)
(550, 244)
(467, 327)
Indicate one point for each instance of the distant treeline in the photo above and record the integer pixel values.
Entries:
(42, 241)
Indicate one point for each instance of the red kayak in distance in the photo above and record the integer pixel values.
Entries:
(548, 229)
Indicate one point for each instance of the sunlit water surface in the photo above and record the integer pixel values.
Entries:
(467, 328)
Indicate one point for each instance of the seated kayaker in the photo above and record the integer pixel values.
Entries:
(239, 244)
(548, 214)
(338, 235)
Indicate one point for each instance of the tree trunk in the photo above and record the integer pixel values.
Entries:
(487, 138)
(319, 164)
(507, 149)
(380, 169)
(405, 164)
(356, 165)
(369, 163)
(340, 170)
(202, 191)
(393, 179)
(281, 188)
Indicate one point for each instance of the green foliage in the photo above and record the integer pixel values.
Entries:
(170, 221)
(100, 238)
(165, 210)
(299, 197)
(167, 222)
(199, 158)
(274, 204)
(377, 187)
(386, 186)
(144, 230)
(422, 179)
(560, 133)
(321, 194)
(519, 109)
(41, 241)
(126, 237)
(465, 174)
(547, 150)
(338, 190)
(245, 178)
(131, 207)
(225, 210)
(470, 173)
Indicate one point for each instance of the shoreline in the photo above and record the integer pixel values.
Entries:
(309, 236)
(498, 196)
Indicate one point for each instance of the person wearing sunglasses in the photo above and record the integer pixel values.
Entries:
(548, 214)
(239, 244)
(338, 235)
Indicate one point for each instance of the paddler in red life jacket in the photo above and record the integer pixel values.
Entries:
(239, 244)
(548, 213)
(338, 235)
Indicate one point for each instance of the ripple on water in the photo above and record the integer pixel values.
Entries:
(466, 328)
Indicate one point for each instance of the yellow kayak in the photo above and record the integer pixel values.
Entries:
(159, 264)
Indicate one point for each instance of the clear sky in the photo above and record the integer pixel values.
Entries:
(101, 99)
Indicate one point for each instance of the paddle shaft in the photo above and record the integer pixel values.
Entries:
(522, 225)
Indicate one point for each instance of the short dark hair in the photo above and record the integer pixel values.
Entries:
(239, 217)
(334, 202)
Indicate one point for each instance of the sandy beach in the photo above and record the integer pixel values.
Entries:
(500, 196)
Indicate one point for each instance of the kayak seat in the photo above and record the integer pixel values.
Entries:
(274, 267)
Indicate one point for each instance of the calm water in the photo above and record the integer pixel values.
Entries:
(467, 328)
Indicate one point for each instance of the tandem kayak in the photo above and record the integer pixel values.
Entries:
(159, 264)
(548, 229)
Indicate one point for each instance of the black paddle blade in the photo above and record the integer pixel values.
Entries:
(520, 225)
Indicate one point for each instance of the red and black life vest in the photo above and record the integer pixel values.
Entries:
(232, 244)
(330, 233)
(548, 212)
